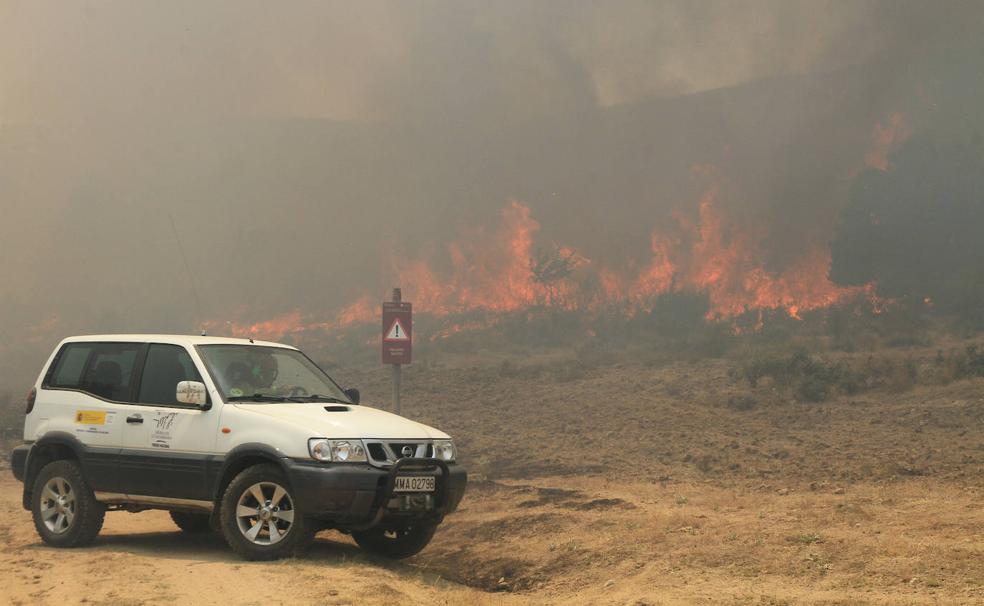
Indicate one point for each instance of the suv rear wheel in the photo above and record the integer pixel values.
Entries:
(65, 512)
(396, 543)
(259, 520)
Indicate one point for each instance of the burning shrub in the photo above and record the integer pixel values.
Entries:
(553, 265)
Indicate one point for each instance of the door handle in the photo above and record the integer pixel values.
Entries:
(134, 419)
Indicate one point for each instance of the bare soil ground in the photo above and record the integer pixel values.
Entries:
(611, 484)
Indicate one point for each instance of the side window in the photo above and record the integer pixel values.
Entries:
(166, 366)
(69, 366)
(109, 371)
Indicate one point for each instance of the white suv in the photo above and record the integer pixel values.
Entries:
(249, 437)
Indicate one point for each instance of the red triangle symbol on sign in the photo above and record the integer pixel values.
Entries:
(396, 332)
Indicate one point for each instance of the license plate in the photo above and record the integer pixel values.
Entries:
(414, 484)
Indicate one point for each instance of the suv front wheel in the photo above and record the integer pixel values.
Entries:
(65, 512)
(259, 520)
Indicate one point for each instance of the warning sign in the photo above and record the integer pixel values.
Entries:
(397, 332)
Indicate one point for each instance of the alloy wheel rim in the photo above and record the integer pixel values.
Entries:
(58, 505)
(265, 513)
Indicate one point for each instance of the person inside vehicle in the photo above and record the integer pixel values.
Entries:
(255, 375)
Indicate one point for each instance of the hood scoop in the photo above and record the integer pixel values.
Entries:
(336, 408)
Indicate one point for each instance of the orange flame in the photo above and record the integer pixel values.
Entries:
(730, 271)
(496, 271)
(489, 272)
(493, 272)
(362, 311)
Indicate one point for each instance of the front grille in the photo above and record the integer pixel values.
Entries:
(377, 452)
(390, 452)
(397, 449)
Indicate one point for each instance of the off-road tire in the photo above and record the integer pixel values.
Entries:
(395, 544)
(298, 534)
(88, 513)
(192, 523)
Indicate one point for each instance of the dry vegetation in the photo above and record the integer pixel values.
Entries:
(787, 470)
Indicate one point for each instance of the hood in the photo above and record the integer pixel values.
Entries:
(356, 422)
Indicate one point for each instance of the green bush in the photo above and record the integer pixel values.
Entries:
(813, 389)
(969, 363)
(742, 402)
(810, 379)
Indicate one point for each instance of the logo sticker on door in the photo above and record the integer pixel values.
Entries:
(94, 421)
(162, 424)
(90, 417)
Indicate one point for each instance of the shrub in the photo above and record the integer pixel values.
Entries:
(810, 379)
(813, 389)
(742, 402)
(960, 365)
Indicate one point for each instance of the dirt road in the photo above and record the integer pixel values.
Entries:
(143, 559)
(586, 542)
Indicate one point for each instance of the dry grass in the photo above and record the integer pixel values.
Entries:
(598, 482)
(914, 542)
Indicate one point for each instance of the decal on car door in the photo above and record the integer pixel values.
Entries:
(94, 421)
(163, 425)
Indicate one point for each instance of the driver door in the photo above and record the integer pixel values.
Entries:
(167, 446)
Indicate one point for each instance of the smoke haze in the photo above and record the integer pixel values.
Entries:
(297, 149)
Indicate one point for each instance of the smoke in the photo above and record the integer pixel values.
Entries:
(385, 60)
(298, 149)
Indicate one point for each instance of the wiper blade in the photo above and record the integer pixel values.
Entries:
(315, 397)
(257, 397)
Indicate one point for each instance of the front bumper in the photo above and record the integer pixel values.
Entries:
(355, 496)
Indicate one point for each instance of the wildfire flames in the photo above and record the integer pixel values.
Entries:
(499, 271)
(731, 271)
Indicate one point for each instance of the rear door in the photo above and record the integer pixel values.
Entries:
(167, 446)
(84, 394)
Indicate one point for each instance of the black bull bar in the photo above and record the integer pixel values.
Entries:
(442, 488)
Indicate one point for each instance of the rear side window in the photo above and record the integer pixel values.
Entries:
(109, 371)
(166, 366)
(69, 366)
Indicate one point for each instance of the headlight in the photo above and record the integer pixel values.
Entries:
(444, 450)
(340, 451)
(319, 449)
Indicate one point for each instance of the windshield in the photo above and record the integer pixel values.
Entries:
(268, 374)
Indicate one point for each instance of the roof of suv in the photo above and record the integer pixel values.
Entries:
(175, 339)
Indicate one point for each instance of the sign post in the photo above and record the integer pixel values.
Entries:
(397, 339)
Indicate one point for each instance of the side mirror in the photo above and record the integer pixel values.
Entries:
(192, 392)
(353, 394)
